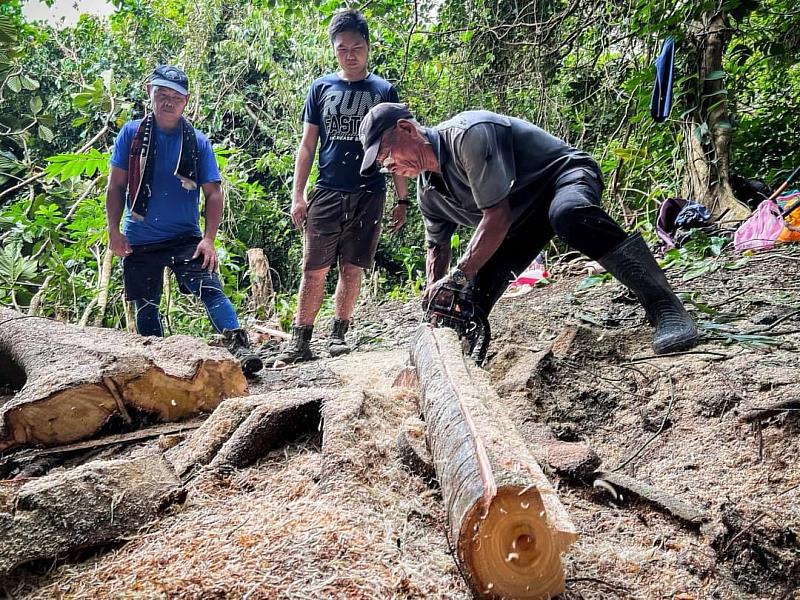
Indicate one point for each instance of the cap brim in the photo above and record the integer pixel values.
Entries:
(369, 164)
(171, 85)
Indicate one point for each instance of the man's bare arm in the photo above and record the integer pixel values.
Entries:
(492, 230)
(215, 204)
(115, 205)
(437, 262)
(302, 169)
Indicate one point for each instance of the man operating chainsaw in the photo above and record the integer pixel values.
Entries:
(518, 186)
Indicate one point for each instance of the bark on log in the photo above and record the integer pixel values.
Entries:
(280, 418)
(201, 448)
(242, 430)
(506, 524)
(71, 380)
(88, 506)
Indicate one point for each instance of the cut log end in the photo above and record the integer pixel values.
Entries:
(510, 550)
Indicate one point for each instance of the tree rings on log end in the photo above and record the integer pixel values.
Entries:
(509, 549)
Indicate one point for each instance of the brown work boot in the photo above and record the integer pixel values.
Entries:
(337, 344)
(298, 349)
(237, 344)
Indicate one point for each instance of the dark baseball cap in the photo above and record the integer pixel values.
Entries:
(375, 123)
(170, 77)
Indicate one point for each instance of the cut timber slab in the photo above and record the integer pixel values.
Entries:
(277, 420)
(505, 521)
(242, 430)
(71, 379)
(94, 504)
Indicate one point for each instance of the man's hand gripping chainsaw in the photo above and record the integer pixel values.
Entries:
(453, 307)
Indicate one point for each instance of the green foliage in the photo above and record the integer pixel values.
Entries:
(64, 167)
(583, 72)
(17, 273)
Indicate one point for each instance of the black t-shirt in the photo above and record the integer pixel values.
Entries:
(337, 106)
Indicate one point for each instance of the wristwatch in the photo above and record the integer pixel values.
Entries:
(458, 277)
(405, 201)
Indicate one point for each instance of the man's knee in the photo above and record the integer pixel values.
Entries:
(350, 271)
(315, 275)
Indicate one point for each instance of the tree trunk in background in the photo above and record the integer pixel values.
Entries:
(707, 129)
(262, 296)
(72, 380)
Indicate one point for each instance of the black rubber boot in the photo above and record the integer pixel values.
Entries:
(298, 349)
(337, 344)
(237, 343)
(632, 263)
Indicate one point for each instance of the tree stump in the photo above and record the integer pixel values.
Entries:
(262, 294)
(506, 523)
(91, 505)
(71, 380)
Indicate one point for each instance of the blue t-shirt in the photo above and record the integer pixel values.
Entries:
(173, 211)
(337, 106)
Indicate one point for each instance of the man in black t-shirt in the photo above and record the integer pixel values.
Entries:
(518, 186)
(343, 212)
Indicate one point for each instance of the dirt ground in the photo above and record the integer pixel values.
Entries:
(373, 530)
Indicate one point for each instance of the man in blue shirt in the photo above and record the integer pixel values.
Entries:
(343, 212)
(158, 166)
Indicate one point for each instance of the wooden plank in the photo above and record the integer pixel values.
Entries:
(124, 438)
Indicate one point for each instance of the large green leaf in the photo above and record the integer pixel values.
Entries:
(67, 166)
(15, 269)
(14, 83)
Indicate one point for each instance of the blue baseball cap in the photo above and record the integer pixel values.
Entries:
(170, 77)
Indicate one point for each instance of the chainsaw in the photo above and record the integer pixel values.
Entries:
(453, 307)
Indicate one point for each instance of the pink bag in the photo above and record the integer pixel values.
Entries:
(761, 230)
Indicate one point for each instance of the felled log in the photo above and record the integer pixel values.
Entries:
(88, 506)
(71, 380)
(504, 519)
(202, 446)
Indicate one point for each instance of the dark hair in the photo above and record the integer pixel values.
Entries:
(348, 20)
